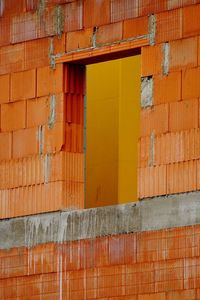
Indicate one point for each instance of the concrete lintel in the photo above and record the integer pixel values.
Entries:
(150, 214)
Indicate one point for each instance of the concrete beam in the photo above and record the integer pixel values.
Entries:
(150, 214)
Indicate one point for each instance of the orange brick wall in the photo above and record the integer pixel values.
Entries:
(41, 156)
(174, 117)
(161, 265)
(41, 143)
(28, 41)
(34, 35)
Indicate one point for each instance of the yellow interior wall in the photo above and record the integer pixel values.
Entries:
(112, 126)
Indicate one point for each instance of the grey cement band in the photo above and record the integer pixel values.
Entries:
(150, 214)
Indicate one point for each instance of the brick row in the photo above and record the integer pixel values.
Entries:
(169, 28)
(168, 179)
(172, 117)
(119, 9)
(30, 54)
(75, 17)
(31, 199)
(24, 26)
(165, 264)
(39, 169)
(40, 198)
(70, 286)
(169, 148)
(35, 140)
(183, 55)
(136, 251)
(26, 85)
(106, 34)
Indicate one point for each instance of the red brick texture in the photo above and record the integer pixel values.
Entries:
(41, 143)
(151, 265)
(168, 146)
(41, 102)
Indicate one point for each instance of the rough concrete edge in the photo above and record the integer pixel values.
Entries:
(151, 214)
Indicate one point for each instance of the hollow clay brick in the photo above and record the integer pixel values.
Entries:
(5, 145)
(13, 116)
(154, 119)
(4, 88)
(167, 88)
(96, 12)
(49, 81)
(30, 142)
(23, 85)
(135, 27)
(79, 39)
(183, 115)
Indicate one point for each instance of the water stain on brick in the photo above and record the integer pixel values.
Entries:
(58, 20)
(41, 7)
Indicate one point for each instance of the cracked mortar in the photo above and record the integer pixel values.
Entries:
(40, 138)
(47, 166)
(52, 116)
(94, 37)
(146, 91)
(152, 150)
(152, 29)
(51, 55)
(165, 65)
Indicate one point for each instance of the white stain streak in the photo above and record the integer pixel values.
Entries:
(60, 275)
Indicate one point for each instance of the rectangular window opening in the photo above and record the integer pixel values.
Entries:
(102, 116)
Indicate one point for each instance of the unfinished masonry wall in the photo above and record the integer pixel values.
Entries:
(41, 126)
(149, 250)
(36, 38)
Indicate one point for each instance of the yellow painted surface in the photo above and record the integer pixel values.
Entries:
(112, 122)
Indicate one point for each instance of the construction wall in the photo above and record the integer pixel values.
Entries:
(41, 147)
(146, 266)
(118, 252)
(47, 96)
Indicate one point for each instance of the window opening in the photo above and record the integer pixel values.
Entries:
(112, 106)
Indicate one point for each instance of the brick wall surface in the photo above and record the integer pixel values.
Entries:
(161, 265)
(41, 143)
(41, 100)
